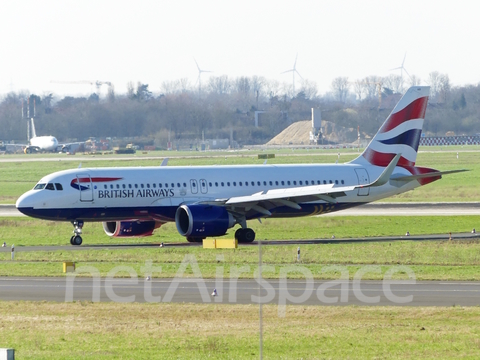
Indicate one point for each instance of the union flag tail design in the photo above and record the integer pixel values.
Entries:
(400, 133)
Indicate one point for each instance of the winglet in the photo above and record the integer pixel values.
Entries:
(385, 175)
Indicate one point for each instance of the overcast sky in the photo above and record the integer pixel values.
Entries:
(156, 41)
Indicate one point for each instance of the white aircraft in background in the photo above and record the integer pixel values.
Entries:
(38, 144)
(41, 143)
(206, 201)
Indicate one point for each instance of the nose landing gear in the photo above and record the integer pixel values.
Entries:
(76, 239)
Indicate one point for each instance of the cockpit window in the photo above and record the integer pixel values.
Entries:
(39, 186)
(50, 186)
(59, 186)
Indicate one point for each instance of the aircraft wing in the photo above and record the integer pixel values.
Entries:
(291, 197)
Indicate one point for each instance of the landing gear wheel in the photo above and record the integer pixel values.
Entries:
(246, 235)
(77, 240)
(193, 239)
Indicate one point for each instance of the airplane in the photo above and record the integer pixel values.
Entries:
(48, 143)
(206, 201)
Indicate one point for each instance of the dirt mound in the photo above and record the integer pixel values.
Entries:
(299, 134)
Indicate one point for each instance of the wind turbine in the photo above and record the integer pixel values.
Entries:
(200, 71)
(294, 70)
(402, 68)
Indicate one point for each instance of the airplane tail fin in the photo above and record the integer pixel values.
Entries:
(34, 134)
(400, 133)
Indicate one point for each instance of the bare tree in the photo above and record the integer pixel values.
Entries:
(434, 82)
(309, 88)
(394, 83)
(414, 80)
(242, 85)
(444, 88)
(219, 84)
(358, 88)
(340, 87)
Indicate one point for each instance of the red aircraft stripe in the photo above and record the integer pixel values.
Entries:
(414, 110)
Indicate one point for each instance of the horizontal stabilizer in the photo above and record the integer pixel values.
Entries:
(427, 175)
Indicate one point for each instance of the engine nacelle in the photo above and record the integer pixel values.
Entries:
(130, 228)
(203, 220)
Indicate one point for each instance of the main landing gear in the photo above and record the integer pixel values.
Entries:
(245, 235)
(76, 239)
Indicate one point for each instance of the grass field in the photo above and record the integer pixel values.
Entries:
(430, 260)
(184, 331)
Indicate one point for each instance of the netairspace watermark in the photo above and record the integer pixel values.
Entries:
(287, 292)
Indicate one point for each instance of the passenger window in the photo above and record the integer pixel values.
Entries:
(123, 186)
(234, 183)
(336, 182)
(210, 184)
(228, 183)
(240, 183)
(246, 183)
(264, 183)
(154, 185)
(343, 182)
(331, 182)
(216, 184)
(166, 185)
(104, 186)
(50, 187)
(129, 186)
(185, 185)
(111, 186)
(271, 183)
(136, 186)
(59, 186)
(173, 185)
(258, 183)
(294, 182)
(283, 182)
(253, 183)
(222, 183)
(160, 185)
(300, 182)
(141, 185)
(288, 182)
(178, 184)
(148, 186)
(276, 183)
(324, 181)
(118, 186)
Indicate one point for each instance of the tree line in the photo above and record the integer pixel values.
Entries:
(223, 106)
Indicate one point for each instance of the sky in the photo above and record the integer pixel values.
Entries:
(50, 41)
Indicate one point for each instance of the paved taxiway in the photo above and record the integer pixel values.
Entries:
(319, 292)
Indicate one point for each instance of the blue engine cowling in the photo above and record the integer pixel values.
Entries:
(130, 228)
(203, 220)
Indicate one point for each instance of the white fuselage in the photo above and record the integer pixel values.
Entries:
(105, 194)
(44, 143)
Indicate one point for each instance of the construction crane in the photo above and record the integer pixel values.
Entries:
(98, 84)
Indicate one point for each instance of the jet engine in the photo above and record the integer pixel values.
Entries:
(130, 228)
(203, 220)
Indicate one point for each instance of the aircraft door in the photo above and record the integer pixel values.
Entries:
(84, 183)
(203, 186)
(363, 179)
(194, 186)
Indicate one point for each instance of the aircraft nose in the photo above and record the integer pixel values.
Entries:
(25, 203)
